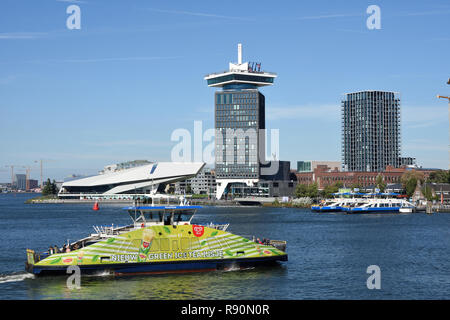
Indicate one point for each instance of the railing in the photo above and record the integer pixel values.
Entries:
(222, 227)
(105, 231)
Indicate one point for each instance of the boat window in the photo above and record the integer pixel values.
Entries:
(168, 218)
(174, 245)
(153, 216)
(182, 217)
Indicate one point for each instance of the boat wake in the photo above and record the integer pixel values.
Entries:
(14, 277)
(236, 267)
(100, 274)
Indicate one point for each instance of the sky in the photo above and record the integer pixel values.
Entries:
(117, 88)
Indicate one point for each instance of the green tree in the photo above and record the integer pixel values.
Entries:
(50, 188)
(428, 193)
(54, 188)
(301, 190)
(330, 189)
(440, 176)
(409, 181)
(312, 190)
(380, 183)
(304, 190)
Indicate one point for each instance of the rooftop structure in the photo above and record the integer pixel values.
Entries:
(145, 179)
(248, 73)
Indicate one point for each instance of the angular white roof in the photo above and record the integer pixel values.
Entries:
(156, 172)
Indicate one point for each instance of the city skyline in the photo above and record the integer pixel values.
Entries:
(103, 94)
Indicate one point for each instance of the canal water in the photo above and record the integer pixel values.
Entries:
(328, 255)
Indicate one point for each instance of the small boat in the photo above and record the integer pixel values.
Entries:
(336, 204)
(161, 239)
(331, 205)
(381, 206)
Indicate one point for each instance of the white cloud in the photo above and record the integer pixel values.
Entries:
(198, 14)
(22, 35)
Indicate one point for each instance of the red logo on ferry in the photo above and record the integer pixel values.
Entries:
(198, 230)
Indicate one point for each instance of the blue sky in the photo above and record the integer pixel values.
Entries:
(117, 88)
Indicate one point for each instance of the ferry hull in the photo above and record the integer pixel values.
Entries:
(372, 210)
(160, 249)
(326, 209)
(159, 267)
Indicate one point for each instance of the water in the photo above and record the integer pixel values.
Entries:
(328, 255)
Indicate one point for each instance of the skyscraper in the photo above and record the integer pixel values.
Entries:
(370, 131)
(239, 118)
(20, 181)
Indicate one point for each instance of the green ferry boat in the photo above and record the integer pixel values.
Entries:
(161, 239)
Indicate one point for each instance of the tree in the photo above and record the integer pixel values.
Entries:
(441, 176)
(50, 188)
(54, 187)
(380, 183)
(409, 181)
(312, 190)
(428, 193)
(330, 189)
(303, 190)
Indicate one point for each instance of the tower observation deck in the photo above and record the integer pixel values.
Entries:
(248, 73)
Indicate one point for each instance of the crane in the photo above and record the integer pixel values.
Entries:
(448, 98)
(27, 172)
(12, 172)
(41, 161)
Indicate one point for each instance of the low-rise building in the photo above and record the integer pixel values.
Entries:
(310, 165)
(324, 175)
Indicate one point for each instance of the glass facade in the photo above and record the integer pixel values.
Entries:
(370, 131)
(239, 114)
(304, 166)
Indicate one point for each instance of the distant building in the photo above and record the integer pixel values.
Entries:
(32, 184)
(279, 184)
(20, 181)
(310, 165)
(370, 131)
(203, 183)
(323, 176)
(143, 179)
(441, 190)
(407, 161)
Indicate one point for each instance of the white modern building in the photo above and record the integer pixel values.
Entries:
(144, 179)
(203, 183)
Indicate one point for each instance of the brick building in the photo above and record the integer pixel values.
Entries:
(324, 176)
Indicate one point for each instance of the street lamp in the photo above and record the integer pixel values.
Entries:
(448, 98)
